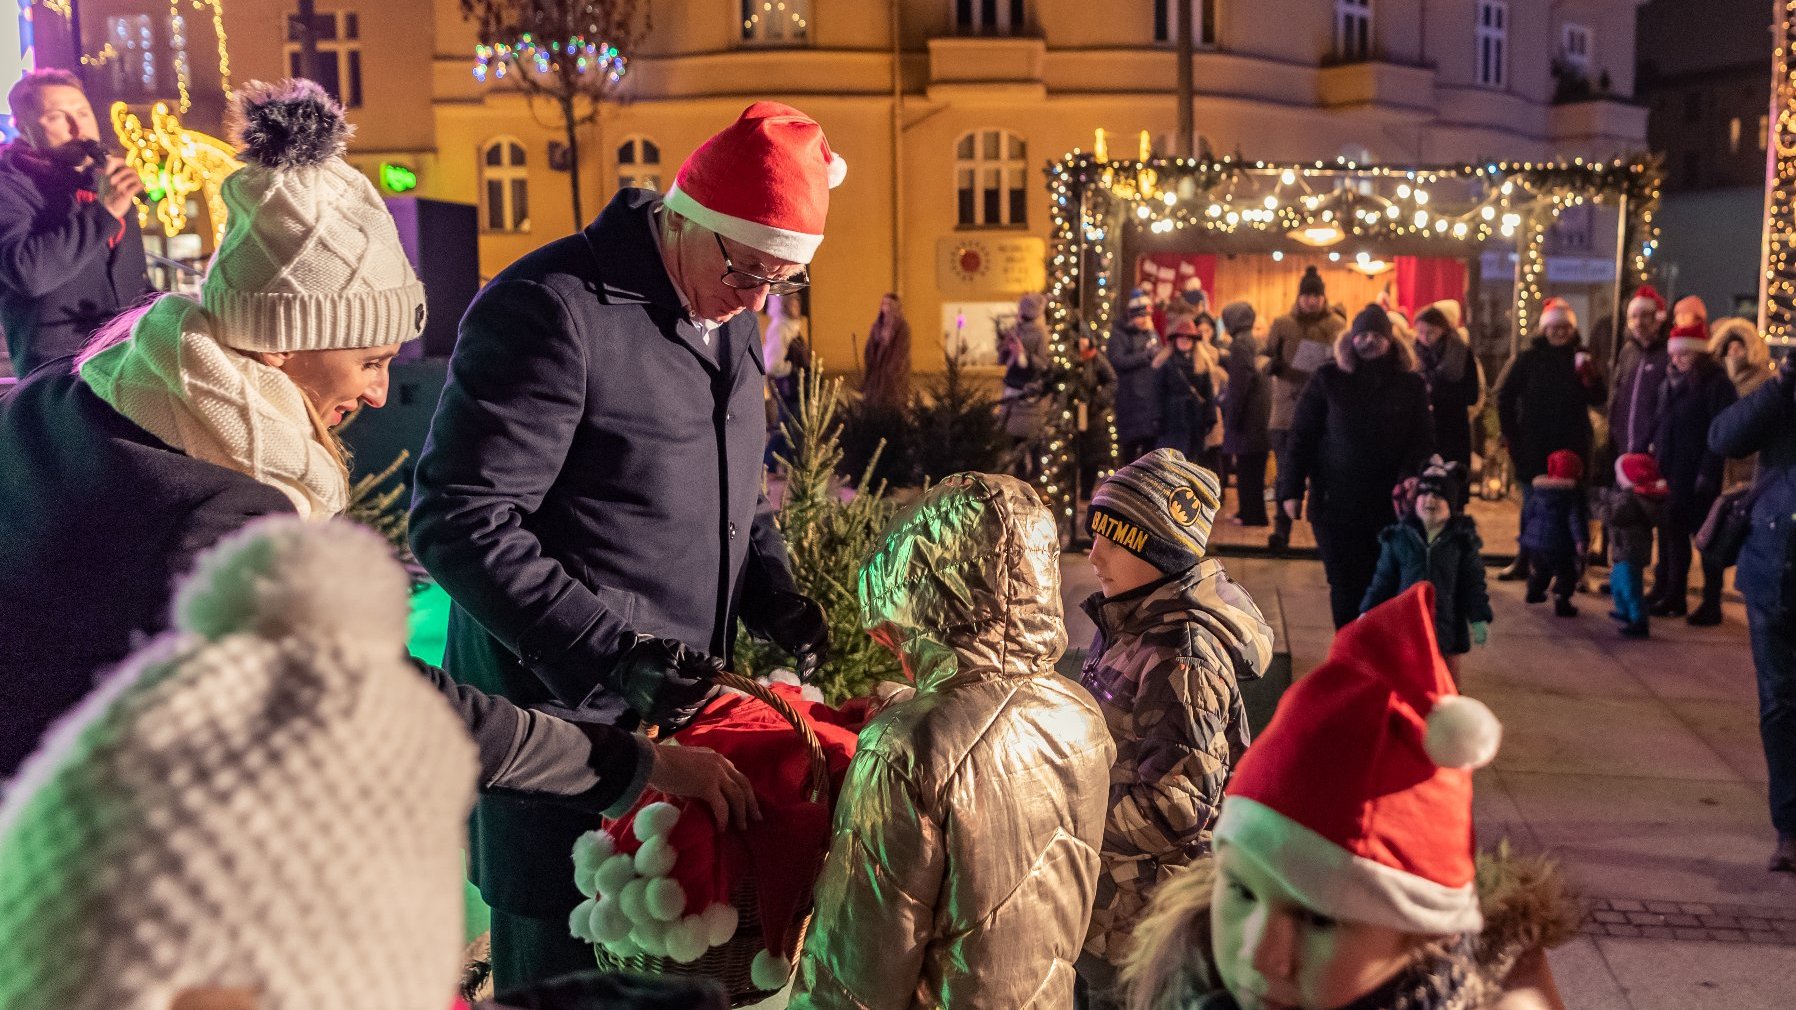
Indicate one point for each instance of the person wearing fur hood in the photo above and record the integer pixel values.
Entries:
(184, 420)
(1360, 427)
(1455, 381)
(1346, 873)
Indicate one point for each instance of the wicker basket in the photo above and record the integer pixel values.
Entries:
(730, 963)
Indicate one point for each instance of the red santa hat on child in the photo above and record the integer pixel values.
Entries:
(1557, 310)
(763, 181)
(1689, 309)
(1649, 296)
(1692, 336)
(1358, 797)
(1638, 472)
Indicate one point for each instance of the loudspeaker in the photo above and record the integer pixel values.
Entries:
(451, 270)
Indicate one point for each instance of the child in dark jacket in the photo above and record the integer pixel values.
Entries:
(1631, 511)
(1435, 541)
(1556, 531)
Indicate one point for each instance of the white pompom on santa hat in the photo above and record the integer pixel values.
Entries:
(1359, 794)
(1690, 338)
(763, 181)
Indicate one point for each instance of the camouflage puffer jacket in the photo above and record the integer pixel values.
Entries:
(1166, 667)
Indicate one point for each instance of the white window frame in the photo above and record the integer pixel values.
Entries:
(134, 44)
(1353, 30)
(776, 22)
(640, 170)
(1491, 58)
(1577, 45)
(514, 177)
(1203, 20)
(1005, 17)
(981, 173)
(339, 48)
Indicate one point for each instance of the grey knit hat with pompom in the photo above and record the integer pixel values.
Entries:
(311, 259)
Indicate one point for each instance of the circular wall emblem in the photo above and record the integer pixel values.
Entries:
(971, 260)
(1183, 505)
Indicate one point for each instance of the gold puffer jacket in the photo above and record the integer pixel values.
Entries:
(964, 859)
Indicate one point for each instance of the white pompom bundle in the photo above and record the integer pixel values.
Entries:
(721, 921)
(665, 899)
(591, 849)
(609, 923)
(586, 882)
(651, 936)
(614, 874)
(634, 901)
(686, 940)
(769, 970)
(656, 858)
(1462, 733)
(579, 921)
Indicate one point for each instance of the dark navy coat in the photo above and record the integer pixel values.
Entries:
(1681, 440)
(1556, 517)
(1765, 422)
(593, 471)
(1355, 435)
(1543, 405)
(97, 519)
(1453, 563)
(1131, 354)
(66, 264)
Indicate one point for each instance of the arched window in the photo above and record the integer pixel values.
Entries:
(638, 164)
(505, 185)
(991, 174)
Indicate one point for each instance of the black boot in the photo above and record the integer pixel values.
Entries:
(1709, 613)
(1669, 607)
(1635, 629)
(1517, 570)
(1562, 607)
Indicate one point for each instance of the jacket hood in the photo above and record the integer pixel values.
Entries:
(966, 584)
(1204, 593)
(1735, 328)
(1400, 354)
(1238, 316)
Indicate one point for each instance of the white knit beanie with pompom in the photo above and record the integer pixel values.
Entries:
(269, 797)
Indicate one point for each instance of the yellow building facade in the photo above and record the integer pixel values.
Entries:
(948, 111)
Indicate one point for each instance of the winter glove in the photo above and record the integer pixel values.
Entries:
(1480, 632)
(797, 625)
(665, 682)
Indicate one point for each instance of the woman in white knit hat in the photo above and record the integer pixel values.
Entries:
(184, 419)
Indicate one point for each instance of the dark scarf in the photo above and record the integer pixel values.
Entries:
(1445, 361)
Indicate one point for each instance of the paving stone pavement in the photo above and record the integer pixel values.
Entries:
(1635, 764)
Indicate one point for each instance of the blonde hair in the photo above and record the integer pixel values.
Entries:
(1168, 966)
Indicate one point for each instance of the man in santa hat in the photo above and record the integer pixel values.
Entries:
(589, 494)
(1639, 375)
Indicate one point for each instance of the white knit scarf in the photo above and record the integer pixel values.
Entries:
(175, 380)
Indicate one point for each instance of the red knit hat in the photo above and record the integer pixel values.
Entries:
(660, 879)
(1557, 310)
(764, 182)
(1358, 797)
(1692, 336)
(1565, 465)
(1639, 473)
(1650, 295)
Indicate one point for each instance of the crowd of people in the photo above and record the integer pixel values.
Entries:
(227, 786)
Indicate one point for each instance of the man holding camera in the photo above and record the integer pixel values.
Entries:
(71, 253)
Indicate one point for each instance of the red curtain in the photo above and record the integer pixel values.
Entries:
(1424, 280)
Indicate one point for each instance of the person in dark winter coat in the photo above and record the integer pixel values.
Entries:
(1639, 375)
(1187, 395)
(1455, 383)
(1361, 427)
(1556, 531)
(1296, 345)
(1133, 344)
(1632, 510)
(590, 490)
(1543, 404)
(1697, 390)
(1765, 423)
(71, 252)
(1246, 412)
(86, 487)
(1438, 543)
(885, 385)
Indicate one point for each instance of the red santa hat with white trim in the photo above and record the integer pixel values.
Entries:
(763, 181)
(1358, 797)
(1648, 296)
(1557, 310)
(1692, 336)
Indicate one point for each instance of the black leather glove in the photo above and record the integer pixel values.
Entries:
(796, 624)
(664, 681)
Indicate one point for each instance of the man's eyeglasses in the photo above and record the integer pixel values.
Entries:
(747, 280)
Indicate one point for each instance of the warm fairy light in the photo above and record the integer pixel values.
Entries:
(175, 163)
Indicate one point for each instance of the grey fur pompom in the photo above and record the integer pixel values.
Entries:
(288, 124)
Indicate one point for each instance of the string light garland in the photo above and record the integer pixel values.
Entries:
(1777, 301)
(587, 56)
(1093, 200)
